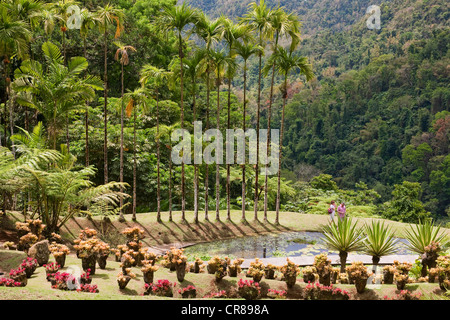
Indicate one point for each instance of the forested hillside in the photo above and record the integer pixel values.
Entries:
(378, 111)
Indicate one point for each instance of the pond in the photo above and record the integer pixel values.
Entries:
(271, 245)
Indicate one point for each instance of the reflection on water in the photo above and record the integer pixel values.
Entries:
(271, 245)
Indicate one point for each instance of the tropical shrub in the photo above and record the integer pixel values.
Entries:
(358, 274)
(290, 272)
(162, 288)
(379, 241)
(316, 291)
(249, 289)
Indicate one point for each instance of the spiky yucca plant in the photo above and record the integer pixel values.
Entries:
(379, 241)
(344, 237)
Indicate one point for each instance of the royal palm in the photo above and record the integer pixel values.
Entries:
(179, 17)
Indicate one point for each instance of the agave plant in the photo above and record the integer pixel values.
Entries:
(421, 236)
(343, 237)
(379, 241)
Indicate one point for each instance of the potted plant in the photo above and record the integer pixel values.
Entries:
(234, 268)
(188, 292)
(358, 273)
(443, 272)
(103, 253)
(9, 245)
(85, 278)
(148, 270)
(290, 271)
(213, 263)
(87, 251)
(162, 288)
(309, 274)
(276, 294)
(388, 274)
(401, 277)
(51, 269)
(124, 277)
(324, 268)
(30, 265)
(19, 275)
(198, 265)
(256, 270)
(221, 270)
(269, 271)
(59, 252)
(249, 289)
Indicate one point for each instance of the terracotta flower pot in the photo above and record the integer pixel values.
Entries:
(61, 260)
(360, 285)
(148, 276)
(181, 271)
(101, 260)
(89, 263)
(123, 282)
(290, 281)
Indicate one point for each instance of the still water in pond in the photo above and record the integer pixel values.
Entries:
(272, 245)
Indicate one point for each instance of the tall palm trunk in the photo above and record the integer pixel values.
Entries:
(243, 128)
(158, 160)
(121, 218)
(269, 117)
(257, 132)
(207, 127)
(280, 150)
(105, 107)
(195, 165)
(183, 195)
(134, 165)
(229, 127)
(86, 120)
(217, 164)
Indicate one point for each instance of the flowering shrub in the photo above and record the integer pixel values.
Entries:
(309, 274)
(133, 233)
(52, 267)
(188, 292)
(59, 252)
(61, 280)
(316, 291)
(213, 263)
(269, 271)
(9, 245)
(10, 283)
(18, 275)
(30, 265)
(290, 271)
(256, 270)
(85, 278)
(26, 241)
(276, 294)
(358, 274)
(408, 295)
(443, 272)
(324, 268)
(88, 288)
(401, 277)
(234, 268)
(388, 274)
(220, 294)
(162, 288)
(249, 289)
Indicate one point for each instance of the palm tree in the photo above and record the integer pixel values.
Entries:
(219, 59)
(232, 32)
(89, 21)
(282, 25)
(14, 38)
(106, 16)
(210, 31)
(379, 242)
(157, 77)
(135, 99)
(178, 17)
(60, 8)
(420, 236)
(343, 237)
(259, 17)
(245, 50)
(122, 56)
(287, 62)
(194, 67)
(56, 92)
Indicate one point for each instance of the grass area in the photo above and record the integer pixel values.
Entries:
(166, 233)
